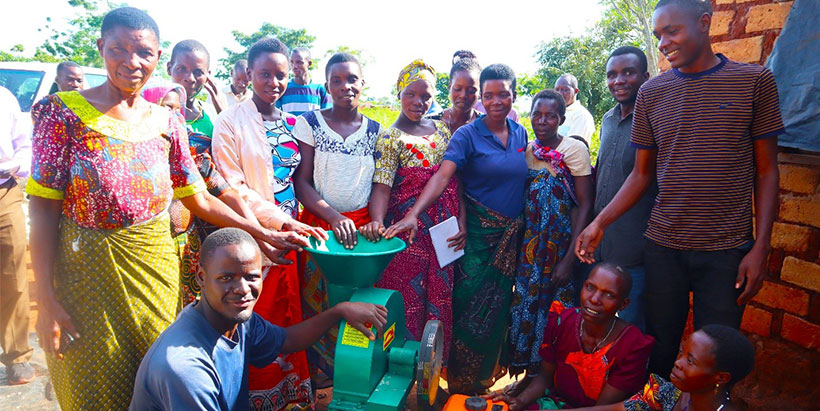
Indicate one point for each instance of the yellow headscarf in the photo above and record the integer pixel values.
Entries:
(417, 70)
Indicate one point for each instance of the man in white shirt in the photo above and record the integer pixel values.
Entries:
(238, 90)
(579, 121)
(15, 162)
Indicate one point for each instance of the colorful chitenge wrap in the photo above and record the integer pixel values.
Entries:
(549, 197)
(481, 297)
(121, 289)
(285, 382)
(190, 231)
(314, 301)
(417, 70)
(426, 288)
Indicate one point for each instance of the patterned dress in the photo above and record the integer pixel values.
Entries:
(549, 198)
(406, 163)
(287, 381)
(657, 395)
(116, 270)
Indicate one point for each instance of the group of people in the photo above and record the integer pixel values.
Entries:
(144, 300)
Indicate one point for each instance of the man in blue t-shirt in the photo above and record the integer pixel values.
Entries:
(302, 95)
(201, 360)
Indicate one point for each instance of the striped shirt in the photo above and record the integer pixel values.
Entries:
(703, 126)
(299, 99)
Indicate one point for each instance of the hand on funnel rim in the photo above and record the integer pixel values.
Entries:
(408, 223)
(373, 231)
(345, 231)
(305, 230)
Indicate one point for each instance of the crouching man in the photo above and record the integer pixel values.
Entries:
(201, 360)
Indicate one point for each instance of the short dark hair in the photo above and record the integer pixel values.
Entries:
(222, 238)
(697, 7)
(267, 45)
(240, 65)
(340, 58)
(497, 72)
(570, 78)
(189, 46)
(617, 270)
(550, 95)
(624, 50)
(130, 18)
(304, 51)
(467, 65)
(463, 54)
(67, 65)
(733, 352)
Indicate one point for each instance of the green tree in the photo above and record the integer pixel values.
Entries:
(78, 43)
(585, 57)
(635, 17)
(291, 37)
(443, 88)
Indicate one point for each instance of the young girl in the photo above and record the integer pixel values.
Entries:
(255, 150)
(407, 155)
(558, 202)
(333, 183)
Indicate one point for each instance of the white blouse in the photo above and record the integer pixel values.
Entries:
(342, 167)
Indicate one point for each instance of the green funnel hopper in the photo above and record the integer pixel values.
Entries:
(347, 270)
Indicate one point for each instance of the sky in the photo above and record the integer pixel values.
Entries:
(391, 34)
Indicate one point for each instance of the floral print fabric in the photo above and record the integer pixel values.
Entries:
(396, 149)
(109, 173)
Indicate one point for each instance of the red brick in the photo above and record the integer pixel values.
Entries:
(802, 273)
(801, 332)
(791, 237)
(798, 209)
(767, 16)
(748, 50)
(757, 321)
(783, 297)
(725, 1)
(720, 22)
(803, 180)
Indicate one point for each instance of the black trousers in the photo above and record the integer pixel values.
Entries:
(670, 275)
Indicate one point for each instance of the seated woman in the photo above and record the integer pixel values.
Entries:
(407, 155)
(333, 183)
(558, 205)
(709, 364)
(589, 356)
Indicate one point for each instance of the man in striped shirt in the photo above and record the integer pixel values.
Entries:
(302, 95)
(708, 130)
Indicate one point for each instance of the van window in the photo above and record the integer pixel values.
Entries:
(23, 84)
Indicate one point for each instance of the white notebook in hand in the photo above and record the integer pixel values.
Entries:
(439, 233)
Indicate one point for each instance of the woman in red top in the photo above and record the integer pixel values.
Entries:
(589, 356)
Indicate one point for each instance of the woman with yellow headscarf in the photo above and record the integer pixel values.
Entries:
(407, 155)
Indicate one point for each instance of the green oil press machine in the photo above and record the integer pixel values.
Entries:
(376, 375)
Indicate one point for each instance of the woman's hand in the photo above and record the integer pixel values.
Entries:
(52, 322)
(216, 96)
(275, 255)
(345, 231)
(408, 223)
(304, 229)
(513, 402)
(561, 273)
(458, 241)
(286, 240)
(372, 231)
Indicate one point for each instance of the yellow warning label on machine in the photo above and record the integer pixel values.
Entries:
(354, 337)
(389, 336)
